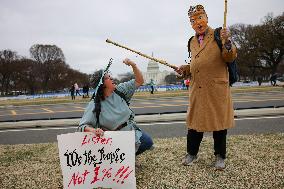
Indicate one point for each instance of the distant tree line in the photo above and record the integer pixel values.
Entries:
(45, 71)
(260, 48)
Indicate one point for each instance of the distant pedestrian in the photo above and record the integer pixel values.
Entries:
(86, 91)
(152, 86)
(77, 89)
(72, 92)
(187, 82)
(273, 79)
(259, 80)
(183, 85)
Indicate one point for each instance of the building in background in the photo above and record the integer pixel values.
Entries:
(153, 72)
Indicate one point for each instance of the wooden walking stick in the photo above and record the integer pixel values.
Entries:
(149, 57)
(144, 55)
(225, 15)
(225, 20)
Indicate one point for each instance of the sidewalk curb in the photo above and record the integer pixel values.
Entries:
(138, 118)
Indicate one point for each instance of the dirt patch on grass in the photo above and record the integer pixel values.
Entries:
(254, 161)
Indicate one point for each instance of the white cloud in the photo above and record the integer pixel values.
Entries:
(80, 28)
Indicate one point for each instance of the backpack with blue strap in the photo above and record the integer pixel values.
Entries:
(232, 66)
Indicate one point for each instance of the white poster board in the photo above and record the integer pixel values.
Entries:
(88, 161)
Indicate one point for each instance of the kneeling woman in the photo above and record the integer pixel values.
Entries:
(108, 109)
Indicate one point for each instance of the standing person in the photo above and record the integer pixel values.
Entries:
(259, 80)
(183, 85)
(109, 110)
(77, 89)
(72, 92)
(273, 79)
(187, 83)
(211, 107)
(86, 91)
(152, 86)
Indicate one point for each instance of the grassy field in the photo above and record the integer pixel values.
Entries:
(254, 161)
(79, 99)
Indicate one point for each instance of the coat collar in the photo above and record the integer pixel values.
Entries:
(208, 35)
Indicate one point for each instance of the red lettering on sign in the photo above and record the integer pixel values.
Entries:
(78, 179)
(91, 139)
(96, 171)
(85, 140)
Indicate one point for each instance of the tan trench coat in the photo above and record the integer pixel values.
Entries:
(210, 103)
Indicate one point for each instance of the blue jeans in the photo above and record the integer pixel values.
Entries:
(146, 143)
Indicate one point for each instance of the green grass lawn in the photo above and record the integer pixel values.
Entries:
(254, 161)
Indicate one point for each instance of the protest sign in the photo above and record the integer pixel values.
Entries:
(88, 161)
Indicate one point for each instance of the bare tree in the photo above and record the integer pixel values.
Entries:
(49, 57)
(74, 76)
(270, 41)
(260, 47)
(7, 71)
(126, 77)
(47, 71)
(171, 79)
(29, 76)
(46, 53)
